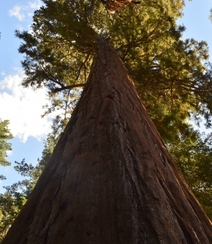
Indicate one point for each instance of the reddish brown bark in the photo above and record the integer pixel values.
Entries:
(115, 5)
(110, 179)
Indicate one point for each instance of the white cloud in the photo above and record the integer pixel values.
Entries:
(16, 12)
(23, 108)
(21, 11)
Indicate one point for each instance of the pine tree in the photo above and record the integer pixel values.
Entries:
(5, 146)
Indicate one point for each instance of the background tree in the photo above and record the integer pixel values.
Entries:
(16, 195)
(5, 146)
(11, 202)
(193, 157)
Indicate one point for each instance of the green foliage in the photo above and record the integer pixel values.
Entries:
(14, 197)
(60, 48)
(169, 73)
(49, 146)
(11, 202)
(193, 155)
(5, 135)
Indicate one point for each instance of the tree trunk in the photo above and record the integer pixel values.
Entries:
(110, 179)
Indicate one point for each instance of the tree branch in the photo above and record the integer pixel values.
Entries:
(67, 87)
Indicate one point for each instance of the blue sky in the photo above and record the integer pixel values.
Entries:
(23, 107)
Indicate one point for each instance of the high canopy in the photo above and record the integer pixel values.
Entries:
(110, 178)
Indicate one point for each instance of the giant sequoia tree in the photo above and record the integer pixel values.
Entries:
(171, 76)
(110, 178)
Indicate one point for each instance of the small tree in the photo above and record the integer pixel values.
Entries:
(5, 135)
